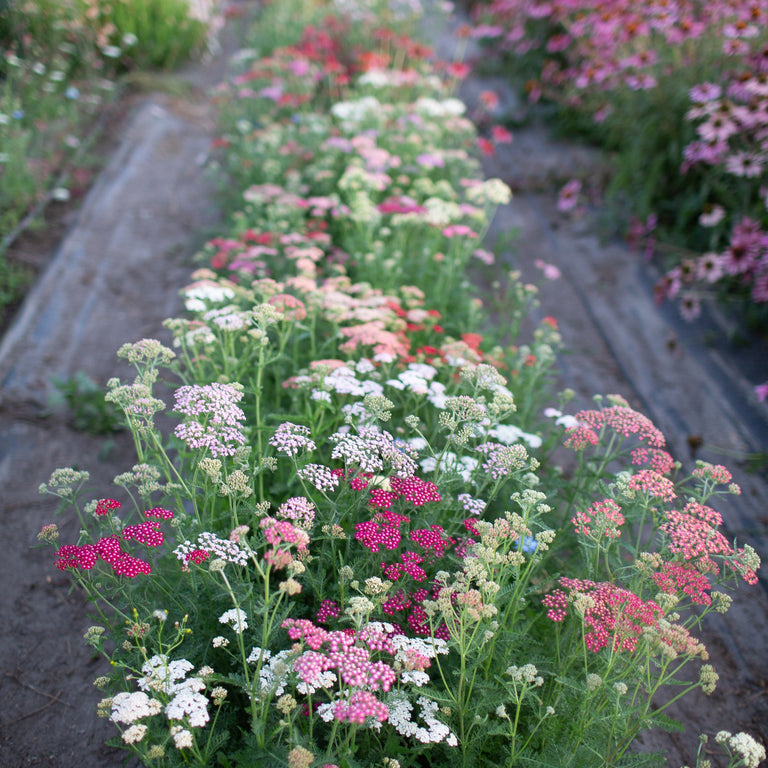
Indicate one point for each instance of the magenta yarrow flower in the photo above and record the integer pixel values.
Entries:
(105, 506)
(160, 513)
(148, 533)
(109, 549)
(382, 531)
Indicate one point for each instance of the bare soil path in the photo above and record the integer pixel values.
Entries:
(116, 276)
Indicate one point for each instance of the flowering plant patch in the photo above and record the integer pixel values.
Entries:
(345, 540)
(681, 83)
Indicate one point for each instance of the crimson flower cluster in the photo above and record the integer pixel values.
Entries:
(410, 604)
(109, 548)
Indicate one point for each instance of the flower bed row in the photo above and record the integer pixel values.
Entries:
(357, 546)
(677, 91)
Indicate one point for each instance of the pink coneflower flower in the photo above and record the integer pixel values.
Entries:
(704, 92)
(712, 216)
(709, 267)
(735, 47)
(568, 197)
(760, 284)
(744, 248)
(602, 114)
(718, 128)
(748, 165)
(551, 272)
(640, 82)
(486, 31)
(690, 306)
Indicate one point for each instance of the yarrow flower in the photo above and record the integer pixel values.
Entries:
(216, 421)
(603, 518)
(292, 439)
(319, 476)
(651, 482)
(236, 618)
(129, 707)
(105, 506)
(693, 534)
(620, 418)
(613, 615)
(370, 450)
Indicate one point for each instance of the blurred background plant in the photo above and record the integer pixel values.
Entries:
(676, 93)
(61, 64)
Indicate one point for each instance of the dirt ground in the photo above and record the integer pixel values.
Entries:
(115, 277)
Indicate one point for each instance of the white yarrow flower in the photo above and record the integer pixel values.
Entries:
(236, 618)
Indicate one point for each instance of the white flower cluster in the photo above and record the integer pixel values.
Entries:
(200, 295)
(445, 108)
(508, 434)
(751, 752)
(189, 702)
(431, 730)
(167, 677)
(493, 191)
(236, 619)
(215, 547)
(417, 378)
(129, 707)
(356, 111)
(344, 381)
(160, 674)
(325, 680)
(464, 466)
(273, 675)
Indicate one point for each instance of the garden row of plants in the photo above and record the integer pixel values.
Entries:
(677, 92)
(62, 62)
(361, 529)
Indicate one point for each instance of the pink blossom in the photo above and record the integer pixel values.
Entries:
(568, 197)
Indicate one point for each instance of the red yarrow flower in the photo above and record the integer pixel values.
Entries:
(104, 506)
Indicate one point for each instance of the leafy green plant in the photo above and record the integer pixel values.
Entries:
(154, 34)
(88, 409)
